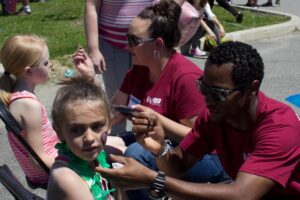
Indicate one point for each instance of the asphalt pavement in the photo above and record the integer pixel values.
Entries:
(280, 53)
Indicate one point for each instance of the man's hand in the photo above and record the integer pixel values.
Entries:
(83, 63)
(98, 61)
(148, 129)
(131, 175)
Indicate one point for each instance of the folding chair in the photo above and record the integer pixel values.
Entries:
(14, 186)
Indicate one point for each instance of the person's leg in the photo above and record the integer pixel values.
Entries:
(268, 3)
(25, 2)
(195, 49)
(118, 62)
(137, 152)
(195, 40)
(25, 9)
(192, 43)
(216, 31)
(209, 169)
(211, 3)
(228, 7)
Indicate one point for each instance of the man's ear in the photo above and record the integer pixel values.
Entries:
(254, 88)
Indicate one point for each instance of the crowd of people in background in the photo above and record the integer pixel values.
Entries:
(9, 7)
(253, 3)
(196, 134)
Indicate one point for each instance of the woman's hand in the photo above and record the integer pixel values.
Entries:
(131, 175)
(83, 63)
(98, 61)
(148, 129)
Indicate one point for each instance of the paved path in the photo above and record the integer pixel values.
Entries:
(282, 77)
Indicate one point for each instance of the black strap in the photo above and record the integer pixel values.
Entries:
(14, 186)
(12, 125)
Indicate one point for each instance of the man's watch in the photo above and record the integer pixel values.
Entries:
(157, 188)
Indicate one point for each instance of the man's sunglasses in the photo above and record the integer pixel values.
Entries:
(134, 41)
(218, 93)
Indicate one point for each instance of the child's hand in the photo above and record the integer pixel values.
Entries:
(212, 35)
(222, 31)
(83, 63)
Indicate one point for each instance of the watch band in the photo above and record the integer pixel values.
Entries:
(157, 188)
(165, 150)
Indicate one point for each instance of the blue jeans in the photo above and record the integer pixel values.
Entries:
(208, 169)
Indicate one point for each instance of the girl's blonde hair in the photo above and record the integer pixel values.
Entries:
(18, 52)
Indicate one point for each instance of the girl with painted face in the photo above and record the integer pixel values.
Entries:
(82, 118)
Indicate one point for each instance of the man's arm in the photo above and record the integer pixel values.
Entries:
(91, 32)
(135, 175)
(175, 155)
(246, 186)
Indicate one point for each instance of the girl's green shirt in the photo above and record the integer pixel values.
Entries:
(98, 185)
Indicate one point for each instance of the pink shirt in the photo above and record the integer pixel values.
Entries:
(174, 94)
(271, 149)
(49, 138)
(115, 16)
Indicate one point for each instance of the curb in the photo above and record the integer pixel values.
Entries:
(265, 32)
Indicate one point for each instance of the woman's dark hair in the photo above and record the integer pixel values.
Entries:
(164, 17)
(247, 63)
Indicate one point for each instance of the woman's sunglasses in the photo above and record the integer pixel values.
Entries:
(218, 93)
(134, 41)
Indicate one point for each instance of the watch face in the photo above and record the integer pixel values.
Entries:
(155, 193)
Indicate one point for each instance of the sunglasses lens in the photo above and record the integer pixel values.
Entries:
(132, 40)
(219, 94)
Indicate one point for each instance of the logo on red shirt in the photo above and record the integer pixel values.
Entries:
(153, 101)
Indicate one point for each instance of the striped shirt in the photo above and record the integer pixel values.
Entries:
(49, 138)
(115, 16)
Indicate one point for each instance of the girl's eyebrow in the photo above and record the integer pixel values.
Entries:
(92, 123)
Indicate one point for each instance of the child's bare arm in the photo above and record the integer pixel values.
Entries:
(29, 114)
(65, 184)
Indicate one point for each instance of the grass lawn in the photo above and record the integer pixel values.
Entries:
(251, 19)
(61, 22)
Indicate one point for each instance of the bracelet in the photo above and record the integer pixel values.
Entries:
(157, 188)
(165, 150)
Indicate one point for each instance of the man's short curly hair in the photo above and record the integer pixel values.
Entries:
(247, 63)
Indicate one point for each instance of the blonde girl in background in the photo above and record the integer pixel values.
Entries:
(25, 59)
